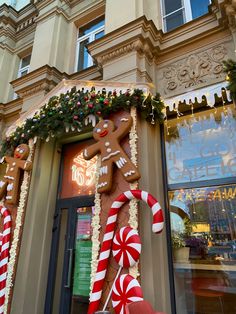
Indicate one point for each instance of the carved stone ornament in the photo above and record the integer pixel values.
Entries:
(194, 70)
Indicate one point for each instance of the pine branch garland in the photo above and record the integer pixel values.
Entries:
(68, 112)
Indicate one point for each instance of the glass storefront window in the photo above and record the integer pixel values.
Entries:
(202, 146)
(203, 223)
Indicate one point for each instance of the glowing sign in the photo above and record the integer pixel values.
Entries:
(84, 171)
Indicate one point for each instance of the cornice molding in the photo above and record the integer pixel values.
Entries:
(142, 36)
(138, 36)
(46, 78)
(10, 109)
(16, 24)
(42, 79)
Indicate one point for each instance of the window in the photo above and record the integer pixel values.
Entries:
(178, 12)
(24, 66)
(86, 36)
(201, 174)
(16, 4)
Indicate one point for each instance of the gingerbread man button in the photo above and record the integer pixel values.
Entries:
(9, 185)
(111, 152)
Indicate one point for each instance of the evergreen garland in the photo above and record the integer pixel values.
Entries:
(230, 69)
(69, 111)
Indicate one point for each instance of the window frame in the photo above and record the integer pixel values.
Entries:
(91, 37)
(186, 9)
(25, 68)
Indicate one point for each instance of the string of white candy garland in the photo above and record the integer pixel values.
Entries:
(95, 227)
(18, 223)
(133, 205)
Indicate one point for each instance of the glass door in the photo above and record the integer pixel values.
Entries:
(70, 261)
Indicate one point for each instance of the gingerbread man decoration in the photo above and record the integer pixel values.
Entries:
(111, 152)
(9, 185)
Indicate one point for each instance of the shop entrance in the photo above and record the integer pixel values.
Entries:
(70, 261)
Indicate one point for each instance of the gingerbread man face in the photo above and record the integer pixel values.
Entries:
(102, 129)
(21, 152)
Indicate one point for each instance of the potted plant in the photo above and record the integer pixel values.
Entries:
(180, 251)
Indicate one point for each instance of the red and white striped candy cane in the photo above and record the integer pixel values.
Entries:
(5, 250)
(157, 226)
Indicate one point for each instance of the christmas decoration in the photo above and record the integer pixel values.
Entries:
(11, 267)
(111, 152)
(125, 290)
(157, 227)
(230, 69)
(126, 247)
(11, 180)
(71, 109)
(5, 248)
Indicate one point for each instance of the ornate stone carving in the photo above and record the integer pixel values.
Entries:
(195, 69)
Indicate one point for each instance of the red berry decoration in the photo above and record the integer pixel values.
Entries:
(125, 290)
(106, 102)
(75, 117)
(126, 247)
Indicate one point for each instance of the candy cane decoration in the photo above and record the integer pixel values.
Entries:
(5, 249)
(157, 226)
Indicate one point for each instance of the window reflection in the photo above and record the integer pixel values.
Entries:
(203, 223)
(202, 146)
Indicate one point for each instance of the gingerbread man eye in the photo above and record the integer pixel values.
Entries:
(21, 151)
(105, 125)
(98, 130)
(18, 149)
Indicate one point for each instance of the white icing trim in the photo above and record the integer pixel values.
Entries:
(124, 119)
(110, 155)
(9, 177)
(129, 173)
(102, 184)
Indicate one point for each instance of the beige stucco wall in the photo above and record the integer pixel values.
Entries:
(53, 42)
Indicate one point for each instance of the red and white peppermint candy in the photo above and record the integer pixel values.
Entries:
(157, 226)
(5, 250)
(125, 290)
(126, 247)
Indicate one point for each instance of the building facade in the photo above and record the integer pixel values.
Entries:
(188, 162)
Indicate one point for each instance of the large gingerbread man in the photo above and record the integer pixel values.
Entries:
(9, 185)
(111, 152)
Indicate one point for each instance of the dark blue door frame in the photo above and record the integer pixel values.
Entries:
(66, 288)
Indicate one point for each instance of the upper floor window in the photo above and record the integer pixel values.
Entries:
(178, 12)
(16, 4)
(86, 36)
(24, 66)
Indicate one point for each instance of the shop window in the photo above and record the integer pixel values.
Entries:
(86, 36)
(201, 174)
(24, 66)
(178, 12)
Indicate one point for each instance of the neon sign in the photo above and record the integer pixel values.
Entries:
(84, 171)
